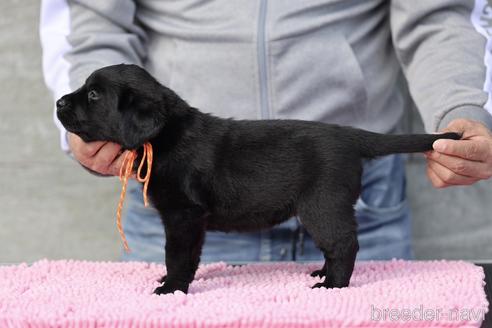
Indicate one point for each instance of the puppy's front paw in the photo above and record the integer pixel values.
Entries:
(318, 273)
(169, 288)
(164, 290)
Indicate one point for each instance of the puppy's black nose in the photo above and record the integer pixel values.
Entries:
(62, 102)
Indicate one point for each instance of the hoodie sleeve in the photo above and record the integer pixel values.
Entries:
(80, 36)
(444, 48)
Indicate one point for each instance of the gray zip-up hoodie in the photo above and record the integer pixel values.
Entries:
(329, 60)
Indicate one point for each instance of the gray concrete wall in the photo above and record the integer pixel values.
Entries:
(49, 207)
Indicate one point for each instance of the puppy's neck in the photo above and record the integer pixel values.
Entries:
(182, 125)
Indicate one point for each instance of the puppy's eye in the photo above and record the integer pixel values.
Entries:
(92, 95)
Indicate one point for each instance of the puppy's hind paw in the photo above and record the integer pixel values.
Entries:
(318, 285)
(325, 284)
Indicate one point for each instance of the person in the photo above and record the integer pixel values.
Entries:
(332, 61)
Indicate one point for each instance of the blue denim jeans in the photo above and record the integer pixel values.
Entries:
(383, 216)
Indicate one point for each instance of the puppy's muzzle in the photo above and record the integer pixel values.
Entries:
(64, 111)
(61, 103)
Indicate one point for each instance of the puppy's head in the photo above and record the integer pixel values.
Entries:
(121, 103)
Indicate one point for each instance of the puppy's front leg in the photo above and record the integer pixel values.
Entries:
(185, 233)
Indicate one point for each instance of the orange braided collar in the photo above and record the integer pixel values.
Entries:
(125, 173)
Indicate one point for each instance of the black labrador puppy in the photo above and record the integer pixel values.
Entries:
(220, 174)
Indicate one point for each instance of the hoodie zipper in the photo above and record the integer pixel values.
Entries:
(265, 236)
(262, 60)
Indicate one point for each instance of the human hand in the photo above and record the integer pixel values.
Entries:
(461, 162)
(102, 157)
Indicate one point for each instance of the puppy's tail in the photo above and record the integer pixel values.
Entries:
(375, 144)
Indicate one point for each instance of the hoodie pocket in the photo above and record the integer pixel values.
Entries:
(316, 76)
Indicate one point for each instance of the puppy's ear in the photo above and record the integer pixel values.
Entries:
(143, 119)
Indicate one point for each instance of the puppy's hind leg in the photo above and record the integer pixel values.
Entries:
(333, 228)
(321, 272)
(340, 263)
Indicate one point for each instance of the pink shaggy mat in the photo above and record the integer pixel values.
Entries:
(381, 294)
